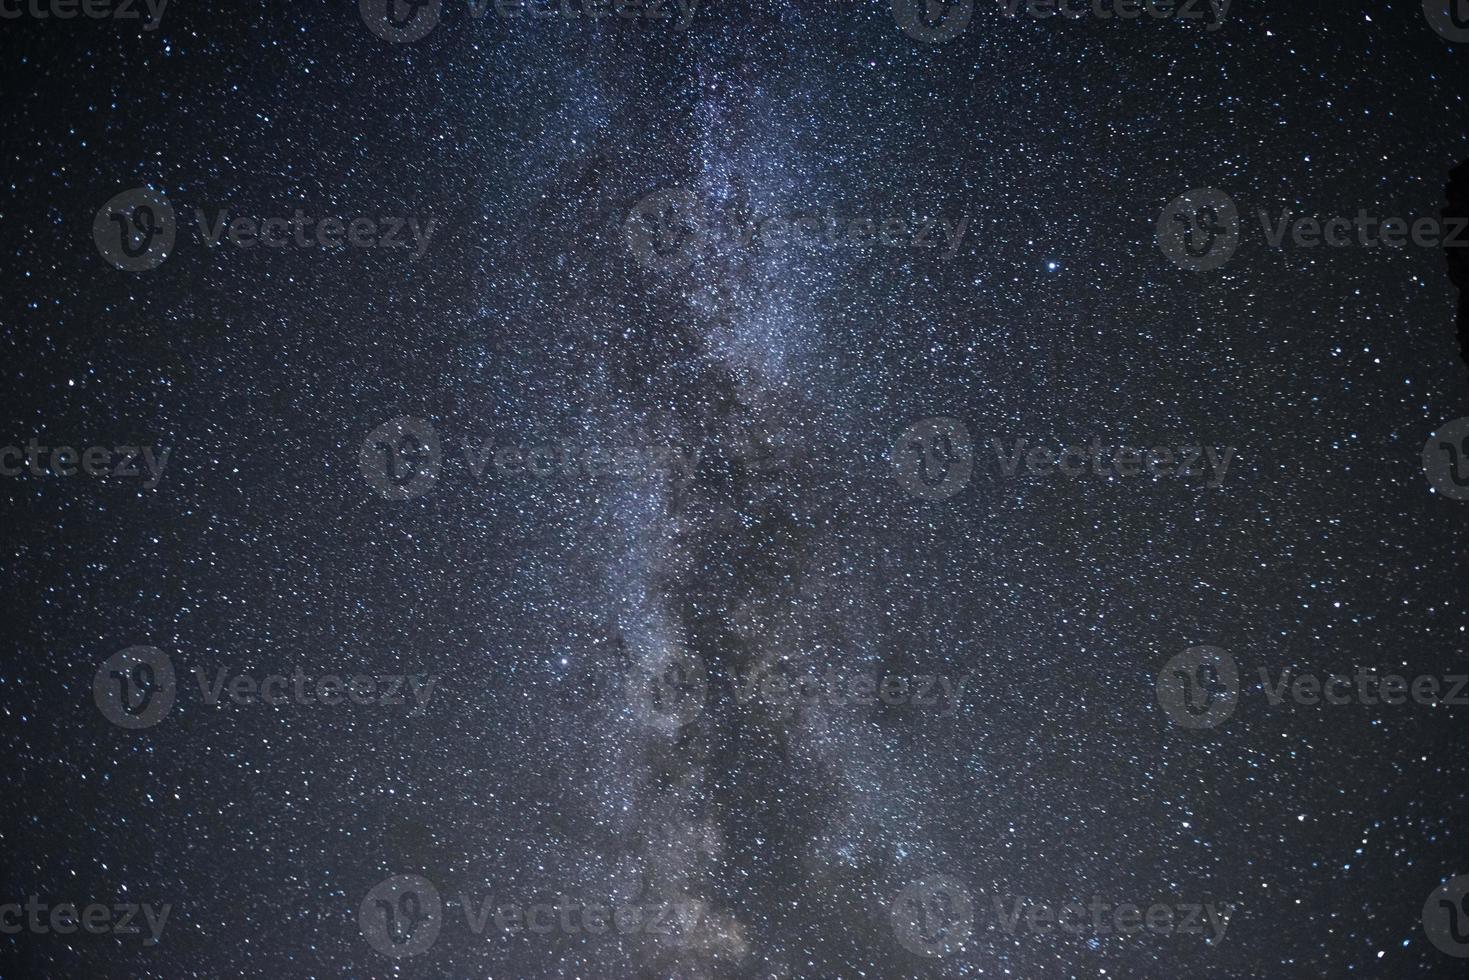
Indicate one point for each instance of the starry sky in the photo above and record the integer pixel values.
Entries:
(549, 606)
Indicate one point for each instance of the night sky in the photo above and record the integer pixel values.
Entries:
(644, 521)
